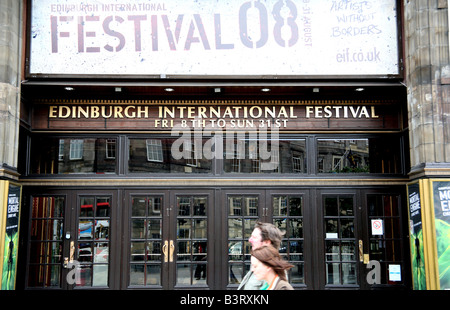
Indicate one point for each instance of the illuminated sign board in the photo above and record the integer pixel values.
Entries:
(204, 38)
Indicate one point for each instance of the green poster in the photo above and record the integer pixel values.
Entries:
(416, 237)
(441, 198)
(11, 238)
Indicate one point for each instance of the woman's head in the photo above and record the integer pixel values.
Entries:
(266, 258)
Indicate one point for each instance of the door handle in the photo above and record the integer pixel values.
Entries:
(69, 260)
(172, 248)
(363, 258)
(166, 256)
(361, 251)
(72, 251)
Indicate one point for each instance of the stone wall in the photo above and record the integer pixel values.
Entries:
(428, 85)
(10, 73)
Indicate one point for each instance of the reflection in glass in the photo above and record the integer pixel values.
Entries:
(184, 228)
(137, 228)
(192, 246)
(386, 248)
(348, 273)
(340, 243)
(153, 275)
(137, 274)
(183, 274)
(297, 273)
(250, 153)
(100, 275)
(235, 273)
(69, 156)
(333, 273)
(93, 240)
(295, 228)
(146, 241)
(85, 229)
(235, 228)
(157, 155)
(154, 251)
(242, 217)
(138, 206)
(154, 228)
(287, 216)
(46, 234)
(347, 229)
(137, 251)
(370, 155)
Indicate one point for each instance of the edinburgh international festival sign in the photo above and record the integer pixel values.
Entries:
(207, 39)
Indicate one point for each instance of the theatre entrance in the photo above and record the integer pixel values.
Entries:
(198, 238)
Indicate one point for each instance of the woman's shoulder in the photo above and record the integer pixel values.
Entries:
(283, 285)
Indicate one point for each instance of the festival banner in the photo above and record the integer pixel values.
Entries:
(416, 237)
(9, 233)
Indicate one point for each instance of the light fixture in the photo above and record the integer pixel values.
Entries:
(169, 89)
(359, 89)
(68, 88)
(118, 89)
(217, 90)
(265, 90)
(316, 89)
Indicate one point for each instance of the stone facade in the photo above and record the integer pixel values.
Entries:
(427, 75)
(10, 71)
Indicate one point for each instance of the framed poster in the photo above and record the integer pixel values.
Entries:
(9, 234)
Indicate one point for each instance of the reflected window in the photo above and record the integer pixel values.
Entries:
(167, 156)
(110, 148)
(52, 155)
(154, 150)
(370, 155)
(76, 149)
(252, 154)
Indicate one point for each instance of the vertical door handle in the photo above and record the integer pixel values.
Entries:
(69, 260)
(361, 251)
(72, 251)
(171, 250)
(166, 257)
(363, 258)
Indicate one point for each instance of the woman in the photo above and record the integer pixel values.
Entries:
(262, 234)
(266, 264)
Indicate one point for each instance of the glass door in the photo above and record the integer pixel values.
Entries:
(242, 209)
(46, 246)
(340, 241)
(386, 254)
(290, 212)
(192, 241)
(71, 238)
(169, 240)
(146, 230)
(362, 239)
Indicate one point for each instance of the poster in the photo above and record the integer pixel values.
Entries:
(441, 199)
(416, 237)
(204, 38)
(11, 233)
